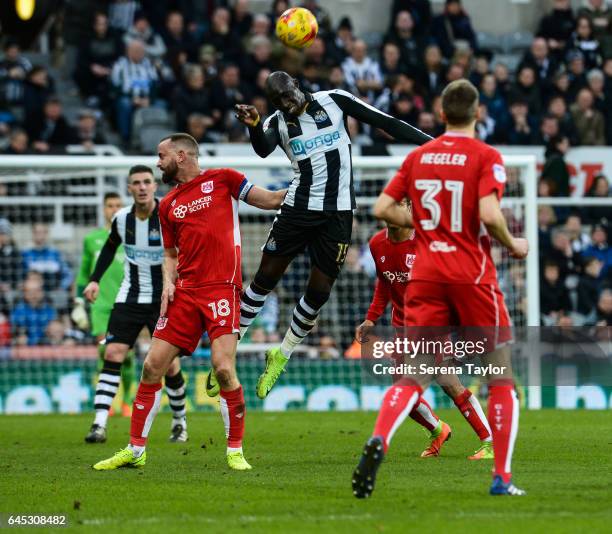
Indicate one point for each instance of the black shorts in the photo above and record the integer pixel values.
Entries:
(326, 234)
(127, 320)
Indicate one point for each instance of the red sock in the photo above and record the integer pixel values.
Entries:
(398, 402)
(423, 414)
(233, 411)
(503, 418)
(470, 408)
(144, 410)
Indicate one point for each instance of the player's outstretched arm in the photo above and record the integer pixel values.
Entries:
(400, 130)
(387, 209)
(265, 199)
(492, 217)
(263, 142)
(170, 275)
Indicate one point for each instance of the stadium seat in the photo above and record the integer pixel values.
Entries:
(489, 41)
(517, 42)
(148, 138)
(510, 60)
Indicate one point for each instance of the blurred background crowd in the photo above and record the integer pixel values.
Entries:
(127, 72)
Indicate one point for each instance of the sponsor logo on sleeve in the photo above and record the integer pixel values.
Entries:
(499, 173)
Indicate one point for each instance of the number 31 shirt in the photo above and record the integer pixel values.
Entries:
(445, 179)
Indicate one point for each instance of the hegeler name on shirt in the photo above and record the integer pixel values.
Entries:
(443, 158)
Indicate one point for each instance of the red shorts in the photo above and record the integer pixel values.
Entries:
(480, 306)
(214, 309)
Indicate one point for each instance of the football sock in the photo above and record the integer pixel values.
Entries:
(175, 389)
(145, 408)
(233, 411)
(106, 388)
(398, 402)
(423, 414)
(470, 408)
(304, 318)
(251, 303)
(128, 374)
(503, 418)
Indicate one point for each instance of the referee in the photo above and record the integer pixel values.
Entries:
(137, 303)
(318, 209)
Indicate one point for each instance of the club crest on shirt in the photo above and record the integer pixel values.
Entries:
(161, 323)
(410, 259)
(499, 172)
(154, 235)
(207, 187)
(320, 116)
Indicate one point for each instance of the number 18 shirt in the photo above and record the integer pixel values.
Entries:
(445, 180)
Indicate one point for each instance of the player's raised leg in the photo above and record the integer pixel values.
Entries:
(440, 432)
(106, 389)
(145, 408)
(175, 389)
(233, 408)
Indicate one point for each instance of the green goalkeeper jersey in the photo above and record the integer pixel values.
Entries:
(110, 282)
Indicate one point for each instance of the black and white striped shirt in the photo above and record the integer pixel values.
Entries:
(134, 79)
(318, 144)
(144, 255)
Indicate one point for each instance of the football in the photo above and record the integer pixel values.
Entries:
(297, 27)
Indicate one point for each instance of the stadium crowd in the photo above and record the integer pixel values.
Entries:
(193, 61)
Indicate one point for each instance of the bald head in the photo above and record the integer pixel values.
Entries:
(178, 156)
(284, 93)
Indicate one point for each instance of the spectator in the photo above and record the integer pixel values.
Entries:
(260, 27)
(197, 127)
(241, 18)
(141, 30)
(56, 334)
(526, 88)
(555, 169)
(361, 72)
(328, 348)
(180, 45)
(13, 70)
(397, 85)
(589, 122)
(391, 64)
(573, 228)
(47, 260)
(409, 43)
(193, 97)
(549, 128)
(557, 26)
(599, 15)
(427, 123)
(563, 255)
(38, 88)
(604, 308)
(596, 82)
(502, 77)
(135, 82)
(453, 29)
(521, 130)
(486, 126)
(18, 143)
(339, 44)
(277, 9)
(587, 291)
(11, 263)
(546, 220)
(96, 56)
(222, 37)
(558, 108)
(582, 39)
(403, 108)
(495, 103)
(432, 75)
(601, 250)
(311, 79)
(259, 57)
(50, 130)
(576, 73)
(481, 65)
(561, 86)
(88, 133)
(30, 317)
(225, 93)
(420, 10)
(554, 297)
(542, 62)
(600, 188)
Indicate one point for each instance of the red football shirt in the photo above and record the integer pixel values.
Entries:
(200, 219)
(393, 269)
(445, 179)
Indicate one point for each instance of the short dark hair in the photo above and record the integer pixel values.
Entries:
(184, 139)
(111, 195)
(140, 168)
(460, 102)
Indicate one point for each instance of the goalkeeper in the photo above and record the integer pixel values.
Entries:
(109, 286)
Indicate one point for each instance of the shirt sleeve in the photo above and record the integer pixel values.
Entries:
(265, 138)
(398, 186)
(238, 184)
(167, 227)
(492, 175)
(380, 299)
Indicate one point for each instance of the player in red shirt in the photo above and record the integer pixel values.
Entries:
(394, 253)
(202, 283)
(455, 184)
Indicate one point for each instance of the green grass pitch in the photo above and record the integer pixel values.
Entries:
(301, 477)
